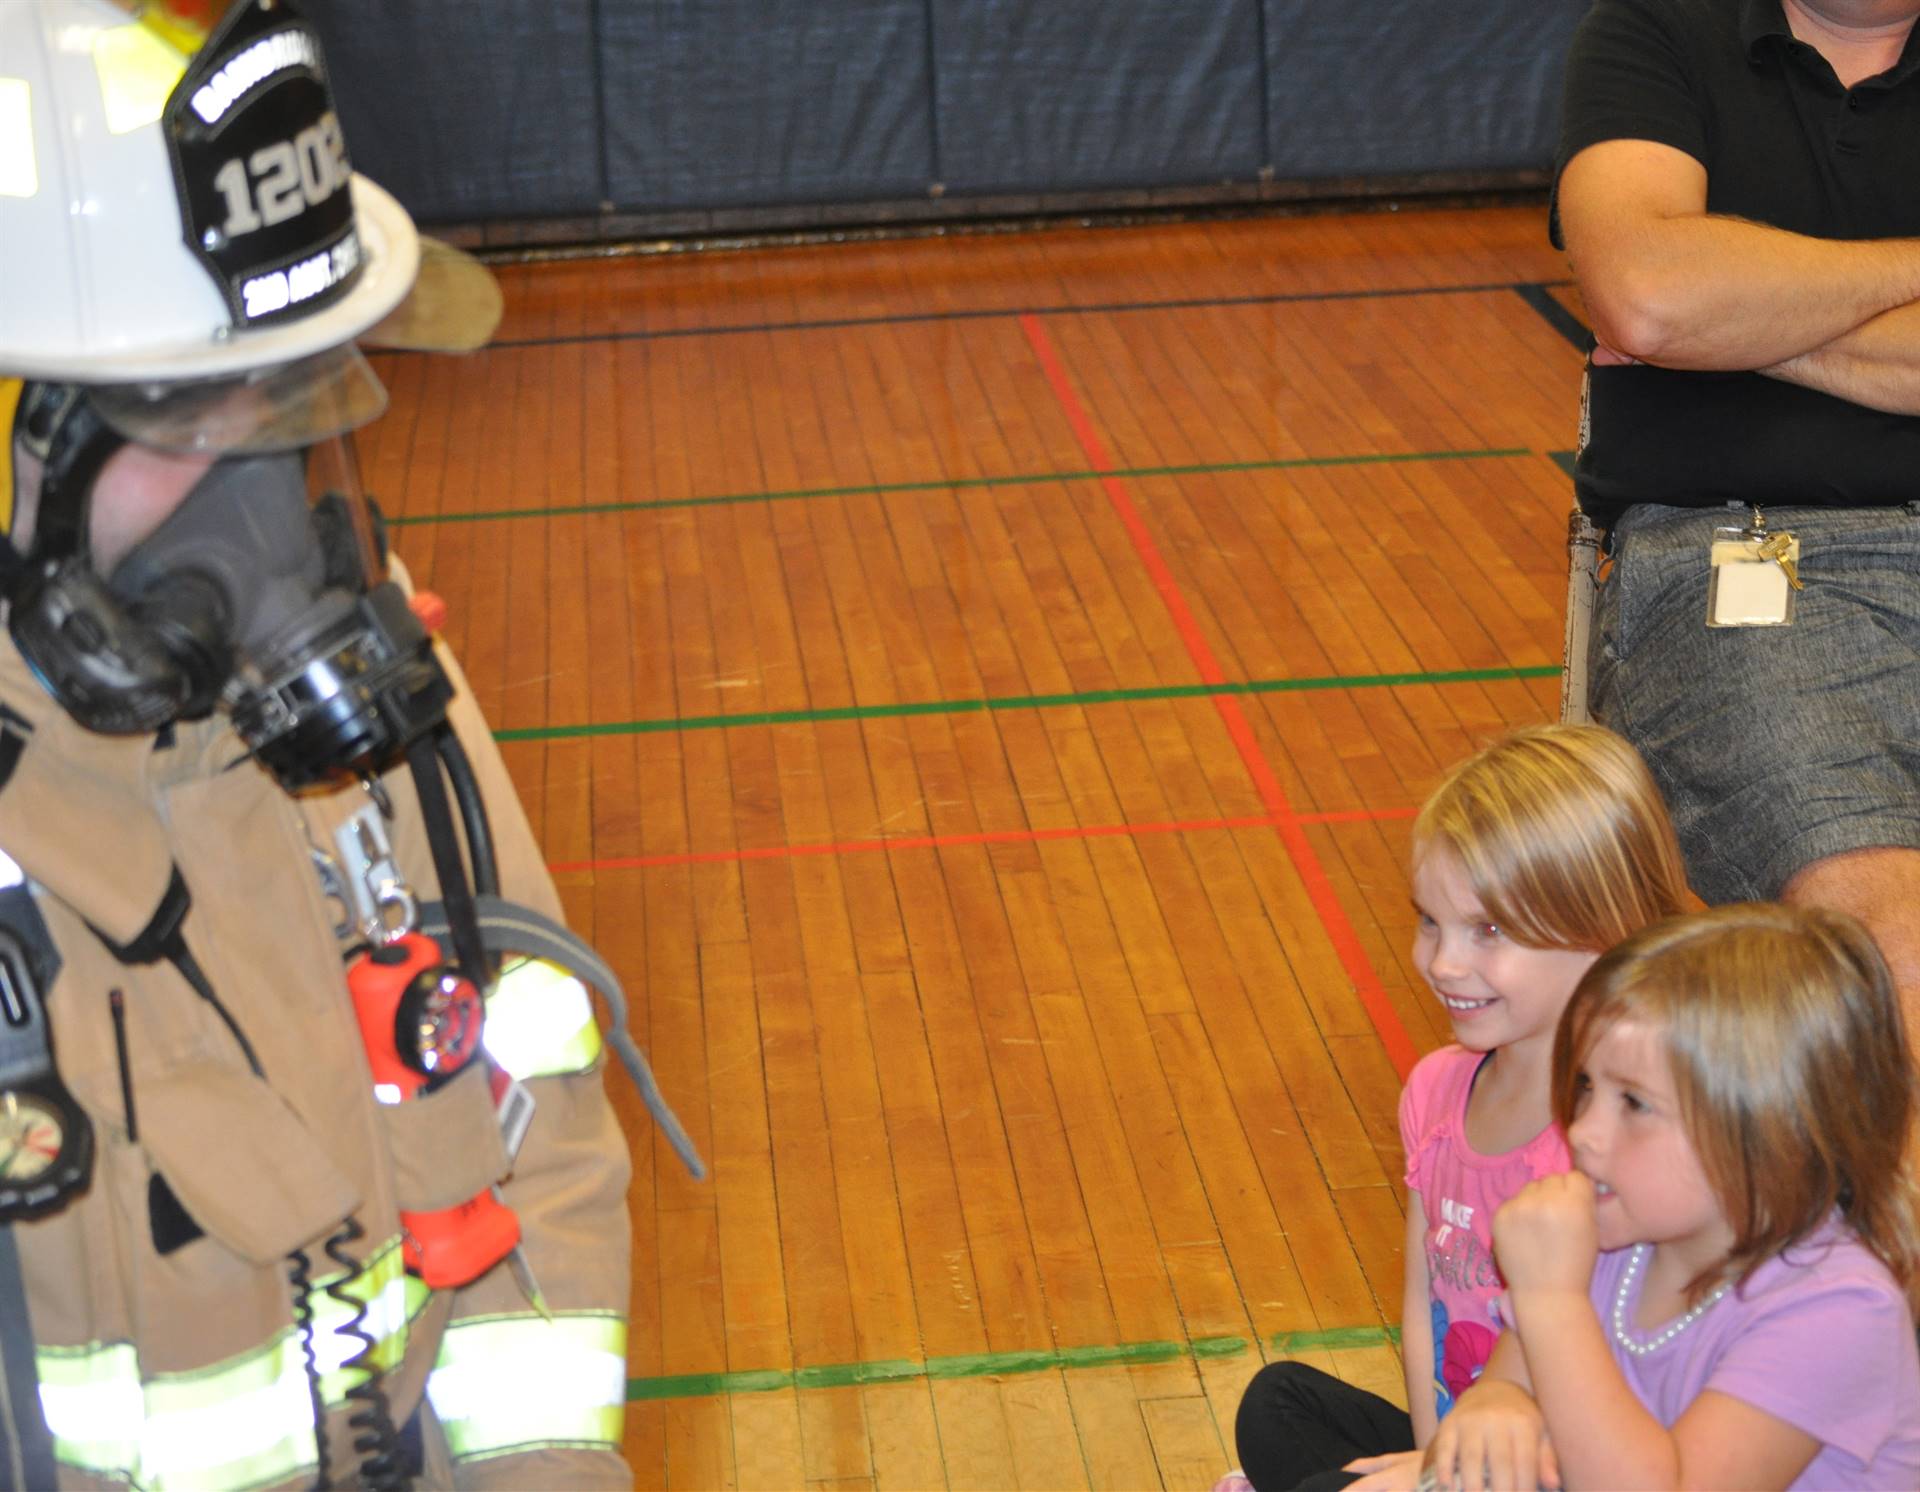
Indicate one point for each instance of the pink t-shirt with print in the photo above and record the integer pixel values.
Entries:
(1460, 1189)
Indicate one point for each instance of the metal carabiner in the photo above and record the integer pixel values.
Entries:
(385, 908)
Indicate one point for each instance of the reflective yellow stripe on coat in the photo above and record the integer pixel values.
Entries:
(540, 1021)
(505, 1384)
(235, 1424)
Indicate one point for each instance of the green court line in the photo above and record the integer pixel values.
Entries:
(991, 1364)
(1022, 479)
(1337, 1338)
(1022, 702)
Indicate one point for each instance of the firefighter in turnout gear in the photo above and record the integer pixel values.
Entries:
(259, 858)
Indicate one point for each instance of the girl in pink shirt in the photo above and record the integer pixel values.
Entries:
(1529, 859)
(1718, 1296)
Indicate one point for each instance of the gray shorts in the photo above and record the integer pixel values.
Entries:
(1775, 746)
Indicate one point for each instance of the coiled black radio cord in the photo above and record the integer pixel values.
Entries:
(380, 1462)
(382, 1467)
(300, 1276)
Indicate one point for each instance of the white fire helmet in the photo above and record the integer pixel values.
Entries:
(179, 218)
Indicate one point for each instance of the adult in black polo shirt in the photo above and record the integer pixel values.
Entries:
(1739, 194)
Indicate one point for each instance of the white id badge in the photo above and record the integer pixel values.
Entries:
(1747, 587)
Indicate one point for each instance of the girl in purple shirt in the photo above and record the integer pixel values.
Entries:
(1719, 1294)
(1529, 858)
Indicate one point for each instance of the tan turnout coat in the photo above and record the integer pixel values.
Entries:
(268, 1168)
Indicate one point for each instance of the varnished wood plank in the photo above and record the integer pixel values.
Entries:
(1186, 1443)
(833, 1433)
(1376, 1369)
(1375, 1220)
(1112, 1432)
(753, 1283)
(699, 1434)
(1225, 1379)
(644, 1445)
(1375, 1089)
(939, 1259)
(975, 1446)
(1134, 1299)
(811, 1240)
(766, 1441)
(1040, 1429)
(905, 1439)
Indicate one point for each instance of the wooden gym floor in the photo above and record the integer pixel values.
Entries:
(974, 690)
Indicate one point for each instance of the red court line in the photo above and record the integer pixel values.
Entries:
(943, 841)
(1306, 864)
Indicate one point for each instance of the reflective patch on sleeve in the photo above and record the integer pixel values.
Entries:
(137, 72)
(540, 1021)
(19, 174)
(510, 1384)
(231, 1425)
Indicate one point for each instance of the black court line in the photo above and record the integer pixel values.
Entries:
(1556, 315)
(841, 323)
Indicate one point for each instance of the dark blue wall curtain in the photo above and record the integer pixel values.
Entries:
(470, 110)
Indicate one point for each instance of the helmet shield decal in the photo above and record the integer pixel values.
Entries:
(261, 167)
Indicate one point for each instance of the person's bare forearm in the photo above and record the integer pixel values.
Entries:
(1602, 1434)
(1876, 364)
(1714, 293)
(1417, 1347)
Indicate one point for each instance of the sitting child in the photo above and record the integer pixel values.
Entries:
(1529, 859)
(1718, 1296)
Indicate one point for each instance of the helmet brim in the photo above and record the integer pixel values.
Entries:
(455, 305)
(391, 261)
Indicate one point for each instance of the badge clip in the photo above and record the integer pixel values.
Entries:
(1754, 575)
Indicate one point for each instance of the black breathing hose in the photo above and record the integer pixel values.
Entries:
(473, 811)
(436, 815)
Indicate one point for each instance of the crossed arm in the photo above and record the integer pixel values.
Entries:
(1667, 283)
(1556, 1373)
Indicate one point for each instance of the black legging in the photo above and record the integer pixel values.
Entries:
(1297, 1427)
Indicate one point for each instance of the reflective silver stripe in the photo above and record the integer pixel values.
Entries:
(246, 1423)
(235, 1424)
(540, 1021)
(512, 1383)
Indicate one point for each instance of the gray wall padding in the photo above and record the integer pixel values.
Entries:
(1382, 87)
(478, 110)
(1063, 95)
(713, 103)
(468, 110)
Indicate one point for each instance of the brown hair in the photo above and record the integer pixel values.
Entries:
(1562, 834)
(1790, 1061)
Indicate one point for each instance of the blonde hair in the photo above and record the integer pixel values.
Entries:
(1562, 835)
(1789, 1057)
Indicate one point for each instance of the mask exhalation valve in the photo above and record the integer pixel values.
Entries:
(347, 690)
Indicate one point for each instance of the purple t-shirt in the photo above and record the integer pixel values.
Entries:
(1820, 1338)
(1460, 1189)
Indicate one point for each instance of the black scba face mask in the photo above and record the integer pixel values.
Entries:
(251, 595)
